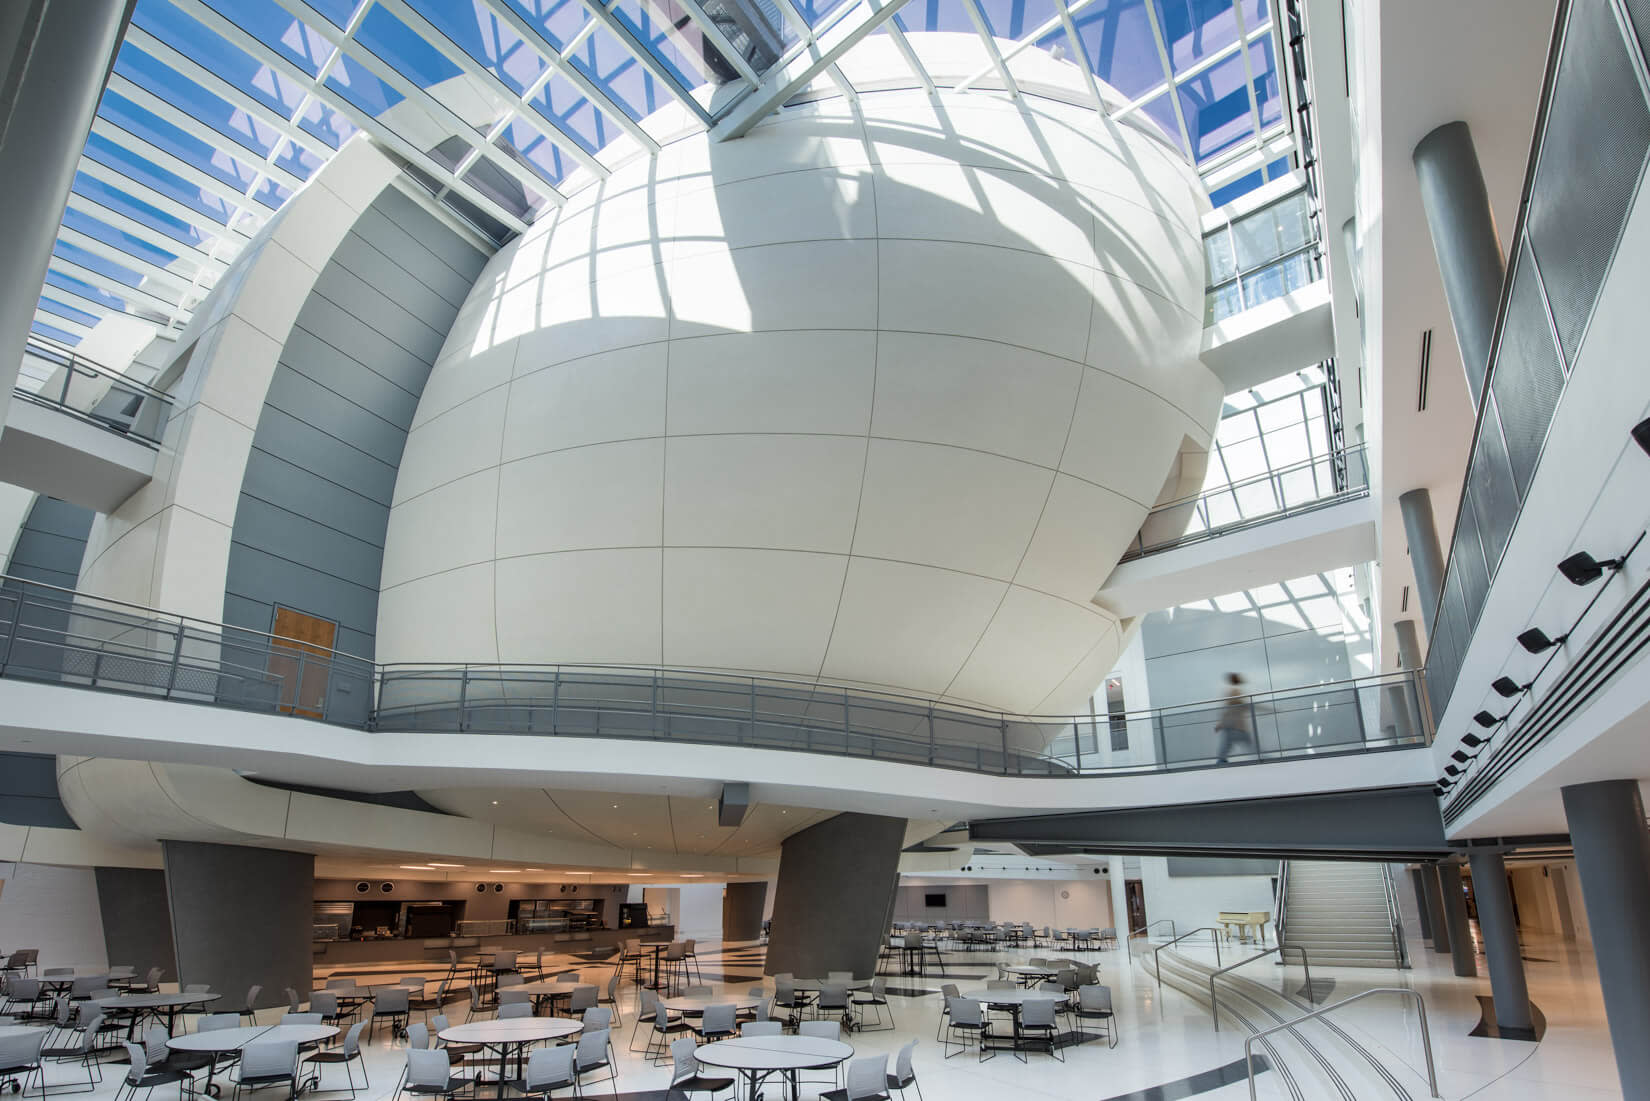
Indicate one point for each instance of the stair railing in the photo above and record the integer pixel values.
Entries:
(1311, 992)
(1157, 962)
(1403, 992)
(1144, 932)
(1394, 916)
(1281, 905)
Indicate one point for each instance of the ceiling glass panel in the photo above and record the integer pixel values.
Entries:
(118, 201)
(481, 34)
(114, 238)
(564, 105)
(1194, 29)
(139, 168)
(1216, 106)
(80, 317)
(272, 25)
(1117, 40)
(161, 134)
(207, 49)
(170, 85)
(560, 20)
(617, 72)
(670, 36)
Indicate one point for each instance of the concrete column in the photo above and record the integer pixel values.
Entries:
(835, 895)
(1455, 914)
(742, 905)
(1613, 860)
(1500, 932)
(240, 916)
(1465, 241)
(1119, 897)
(1435, 908)
(1425, 558)
(137, 920)
(1561, 898)
(56, 56)
(1423, 905)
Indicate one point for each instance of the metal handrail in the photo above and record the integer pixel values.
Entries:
(1144, 932)
(1279, 950)
(74, 365)
(1420, 1004)
(1157, 961)
(1282, 900)
(1400, 951)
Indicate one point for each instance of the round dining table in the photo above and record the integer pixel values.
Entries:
(221, 1041)
(695, 1005)
(547, 990)
(757, 1058)
(159, 1006)
(1013, 999)
(510, 1037)
(1027, 974)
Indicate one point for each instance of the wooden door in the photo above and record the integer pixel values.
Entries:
(301, 659)
(1135, 892)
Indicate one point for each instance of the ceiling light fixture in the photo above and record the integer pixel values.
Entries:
(693, 875)
(1582, 569)
(1535, 640)
(438, 864)
(639, 875)
(1506, 686)
(501, 871)
(416, 867)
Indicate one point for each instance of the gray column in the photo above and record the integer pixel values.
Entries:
(1435, 908)
(835, 895)
(1613, 860)
(1501, 951)
(1425, 558)
(137, 921)
(1423, 906)
(56, 56)
(1465, 241)
(1455, 913)
(241, 916)
(742, 905)
(1561, 898)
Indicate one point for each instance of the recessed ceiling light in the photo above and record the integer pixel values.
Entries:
(639, 875)
(693, 875)
(416, 867)
(501, 871)
(438, 864)
(615, 806)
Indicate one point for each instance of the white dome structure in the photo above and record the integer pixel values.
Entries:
(873, 396)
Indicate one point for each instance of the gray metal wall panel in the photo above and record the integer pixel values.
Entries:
(329, 411)
(52, 543)
(457, 253)
(364, 345)
(373, 308)
(316, 359)
(295, 585)
(363, 260)
(326, 502)
(137, 922)
(28, 791)
(289, 439)
(240, 916)
(297, 538)
(450, 283)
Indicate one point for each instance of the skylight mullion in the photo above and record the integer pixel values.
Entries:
(172, 282)
(90, 208)
(78, 301)
(710, 30)
(132, 296)
(238, 202)
(171, 113)
(142, 192)
(58, 321)
(644, 57)
(274, 59)
(1249, 78)
(1168, 78)
(918, 69)
(1030, 39)
(984, 30)
(1191, 72)
(1077, 45)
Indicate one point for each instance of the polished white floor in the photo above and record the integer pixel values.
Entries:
(1167, 1036)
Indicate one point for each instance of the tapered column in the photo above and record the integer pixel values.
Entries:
(835, 895)
(54, 58)
(1455, 913)
(1425, 559)
(1422, 906)
(1613, 860)
(1501, 951)
(1465, 240)
(1435, 908)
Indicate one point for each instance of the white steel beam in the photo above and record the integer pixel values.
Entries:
(142, 192)
(161, 279)
(1031, 38)
(784, 81)
(723, 44)
(195, 128)
(240, 205)
(132, 296)
(58, 321)
(983, 29)
(78, 301)
(643, 56)
(194, 257)
(1168, 78)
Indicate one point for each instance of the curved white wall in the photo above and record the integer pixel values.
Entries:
(877, 397)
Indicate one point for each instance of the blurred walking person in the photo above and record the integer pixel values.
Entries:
(1236, 723)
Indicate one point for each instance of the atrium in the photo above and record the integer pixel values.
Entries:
(838, 549)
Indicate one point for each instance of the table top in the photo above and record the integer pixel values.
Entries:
(1027, 969)
(548, 988)
(512, 1030)
(700, 1002)
(233, 1039)
(156, 1001)
(1014, 997)
(773, 1052)
(815, 984)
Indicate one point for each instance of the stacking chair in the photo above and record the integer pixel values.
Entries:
(597, 1016)
(965, 1018)
(612, 997)
(339, 984)
(477, 1003)
(150, 984)
(513, 997)
(430, 1075)
(785, 997)
(85, 986)
(139, 1075)
(428, 1003)
(1036, 1025)
(347, 1053)
(673, 963)
(515, 1010)
(867, 1081)
(86, 1050)
(690, 959)
(301, 1019)
(699, 991)
(947, 991)
(824, 1030)
(760, 1028)
(268, 1063)
(1094, 1004)
(659, 1036)
(644, 1016)
(293, 1005)
(833, 1002)
(877, 999)
(457, 1053)
(582, 998)
(685, 1074)
(325, 1002)
(392, 1004)
(249, 1009)
(24, 999)
(20, 1059)
(905, 1075)
(592, 1054)
(550, 1069)
(565, 976)
(718, 1022)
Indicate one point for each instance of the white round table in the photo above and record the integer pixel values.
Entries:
(220, 1040)
(157, 1006)
(510, 1036)
(1013, 999)
(696, 1005)
(1028, 974)
(547, 990)
(756, 1058)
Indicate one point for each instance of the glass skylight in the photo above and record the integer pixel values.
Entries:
(217, 111)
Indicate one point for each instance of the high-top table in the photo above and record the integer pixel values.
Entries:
(224, 1040)
(158, 1006)
(509, 1037)
(757, 1058)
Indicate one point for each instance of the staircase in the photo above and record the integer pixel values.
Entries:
(1342, 913)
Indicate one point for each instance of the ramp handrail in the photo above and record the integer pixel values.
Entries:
(1157, 962)
(1404, 992)
(1311, 994)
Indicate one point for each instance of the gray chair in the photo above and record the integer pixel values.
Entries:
(867, 1081)
(249, 1010)
(644, 1018)
(198, 988)
(582, 998)
(685, 1073)
(430, 1075)
(515, 1010)
(874, 999)
(215, 1022)
(550, 1069)
(141, 1076)
(20, 1058)
(346, 1054)
(611, 997)
(1094, 1004)
(762, 1028)
(597, 1016)
(268, 1063)
(86, 1050)
(392, 1004)
(301, 1018)
(456, 1053)
(824, 1030)
(718, 1022)
(325, 1002)
(833, 1002)
(965, 1024)
(905, 1075)
(947, 992)
(514, 997)
(1036, 1025)
(592, 1054)
(662, 1029)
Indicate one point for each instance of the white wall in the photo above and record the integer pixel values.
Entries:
(1063, 904)
(53, 909)
(701, 911)
(1193, 901)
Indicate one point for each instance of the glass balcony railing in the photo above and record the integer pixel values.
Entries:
(58, 636)
(1261, 256)
(95, 394)
(1287, 491)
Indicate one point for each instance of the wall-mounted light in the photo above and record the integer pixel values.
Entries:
(1488, 719)
(1582, 568)
(1506, 686)
(1460, 755)
(1451, 770)
(1473, 741)
(1535, 640)
(1641, 434)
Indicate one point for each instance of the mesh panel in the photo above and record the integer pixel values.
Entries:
(1598, 129)
(1490, 488)
(1527, 379)
(1639, 12)
(1467, 563)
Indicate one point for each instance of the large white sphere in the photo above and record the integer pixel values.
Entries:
(878, 399)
